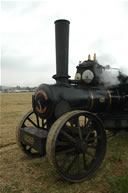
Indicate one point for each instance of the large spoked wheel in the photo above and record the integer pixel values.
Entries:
(30, 120)
(76, 145)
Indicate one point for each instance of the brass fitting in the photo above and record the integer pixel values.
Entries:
(94, 57)
(89, 57)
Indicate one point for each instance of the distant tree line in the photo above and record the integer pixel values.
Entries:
(17, 88)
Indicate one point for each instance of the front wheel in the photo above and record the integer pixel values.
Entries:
(76, 145)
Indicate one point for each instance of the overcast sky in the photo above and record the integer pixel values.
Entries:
(28, 37)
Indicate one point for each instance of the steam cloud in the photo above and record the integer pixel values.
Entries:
(124, 71)
(109, 77)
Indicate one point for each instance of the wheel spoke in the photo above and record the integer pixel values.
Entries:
(89, 132)
(92, 139)
(79, 130)
(31, 122)
(69, 128)
(73, 130)
(69, 137)
(37, 119)
(44, 123)
(62, 143)
(24, 125)
(65, 151)
(64, 162)
(88, 126)
(84, 161)
(72, 163)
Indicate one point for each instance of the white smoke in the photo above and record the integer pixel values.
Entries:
(109, 77)
(111, 73)
(124, 70)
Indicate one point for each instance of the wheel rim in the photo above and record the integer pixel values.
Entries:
(30, 120)
(79, 146)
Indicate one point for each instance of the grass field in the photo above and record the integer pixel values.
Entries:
(20, 174)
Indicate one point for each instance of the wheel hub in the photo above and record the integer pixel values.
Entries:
(81, 146)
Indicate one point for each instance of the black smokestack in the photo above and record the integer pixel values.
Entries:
(62, 45)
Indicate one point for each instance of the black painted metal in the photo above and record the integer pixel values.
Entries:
(62, 99)
(35, 138)
(62, 45)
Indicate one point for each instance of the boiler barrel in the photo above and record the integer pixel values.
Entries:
(55, 100)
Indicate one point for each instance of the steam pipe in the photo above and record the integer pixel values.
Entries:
(62, 46)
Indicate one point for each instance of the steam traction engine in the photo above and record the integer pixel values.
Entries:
(69, 119)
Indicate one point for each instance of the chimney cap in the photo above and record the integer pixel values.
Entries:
(62, 20)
